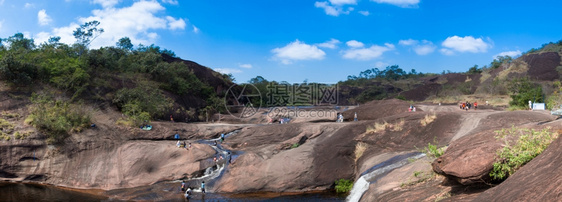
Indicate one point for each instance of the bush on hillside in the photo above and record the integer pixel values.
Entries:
(57, 118)
(520, 150)
(523, 91)
(144, 98)
(15, 71)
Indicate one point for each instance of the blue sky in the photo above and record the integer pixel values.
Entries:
(294, 40)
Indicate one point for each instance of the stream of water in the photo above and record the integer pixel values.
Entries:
(376, 172)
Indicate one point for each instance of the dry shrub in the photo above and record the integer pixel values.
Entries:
(428, 119)
(399, 125)
(360, 149)
(378, 127)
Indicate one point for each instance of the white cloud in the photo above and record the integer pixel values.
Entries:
(508, 53)
(174, 24)
(343, 2)
(227, 70)
(106, 3)
(333, 10)
(173, 2)
(372, 52)
(400, 3)
(43, 18)
(408, 42)
(195, 29)
(247, 66)
(365, 13)
(41, 37)
(380, 64)
(424, 49)
(331, 44)
(29, 5)
(354, 44)
(138, 22)
(464, 44)
(1, 2)
(445, 51)
(298, 50)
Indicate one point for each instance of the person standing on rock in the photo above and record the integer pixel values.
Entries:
(187, 193)
(222, 137)
(355, 117)
(203, 187)
(475, 105)
(183, 186)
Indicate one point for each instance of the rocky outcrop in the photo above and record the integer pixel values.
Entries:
(469, 160)
(538, 180)
(105, 165)
(268, 165)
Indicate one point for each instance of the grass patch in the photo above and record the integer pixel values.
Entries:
(377, 127)
(343, 186)
(518, 151)
(418, 177)
(428, 119)
(398, 126)
(6, 126)
(4, 136)
(433, 150)
(360, 149)
(295, 145)
(21, 136)
(9, 115)
(443, 196)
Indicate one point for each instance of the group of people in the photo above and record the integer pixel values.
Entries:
(186, 146)
(188, 190)
(412, 108)
(467, 105)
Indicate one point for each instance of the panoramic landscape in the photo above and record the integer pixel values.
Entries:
(109, 100)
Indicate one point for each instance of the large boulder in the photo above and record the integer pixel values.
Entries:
(470, 159)
(539, 180)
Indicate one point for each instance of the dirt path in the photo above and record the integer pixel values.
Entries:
(470, 119)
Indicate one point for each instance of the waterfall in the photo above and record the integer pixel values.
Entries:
(360, 187)
(376, 172)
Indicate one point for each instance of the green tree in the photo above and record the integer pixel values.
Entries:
(125, 44)
(522, 91)
(18, 41)
(498, 61)
(15, 71)
(87, 32)
(474, 70)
